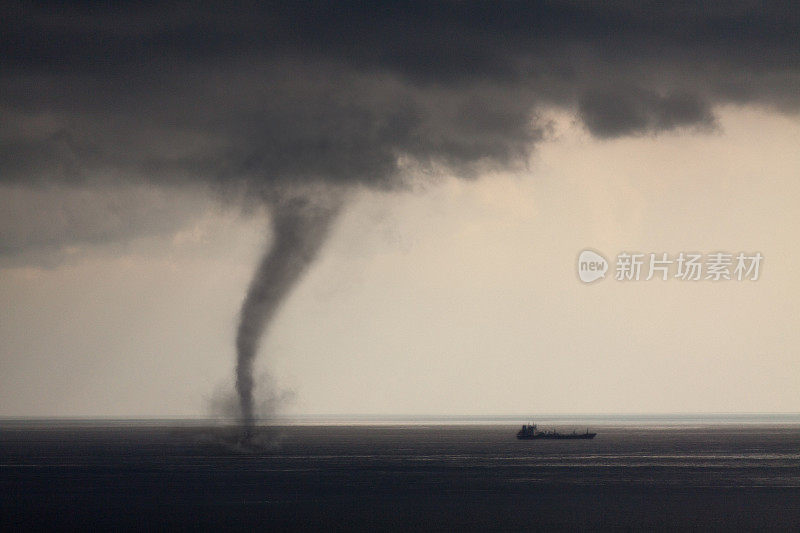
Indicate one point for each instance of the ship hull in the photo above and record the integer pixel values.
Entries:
(556, 436)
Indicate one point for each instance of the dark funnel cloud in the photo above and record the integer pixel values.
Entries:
(285, 96)
(299, 228)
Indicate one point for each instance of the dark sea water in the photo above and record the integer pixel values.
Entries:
(445, 476)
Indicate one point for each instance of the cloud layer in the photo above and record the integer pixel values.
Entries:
(263, 95)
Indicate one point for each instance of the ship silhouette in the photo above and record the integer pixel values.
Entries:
(530, 431)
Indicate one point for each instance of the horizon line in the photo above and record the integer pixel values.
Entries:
(411, 416)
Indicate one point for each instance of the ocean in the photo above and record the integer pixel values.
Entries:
(639, 473)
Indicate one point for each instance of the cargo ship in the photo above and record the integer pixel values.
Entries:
(530, 431)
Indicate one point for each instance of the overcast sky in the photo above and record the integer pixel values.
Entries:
(468, 151)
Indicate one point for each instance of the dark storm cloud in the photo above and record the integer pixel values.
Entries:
(37, 222)
(269, 93)
(619, 112)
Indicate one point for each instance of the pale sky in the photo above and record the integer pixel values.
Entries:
(454, 297)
